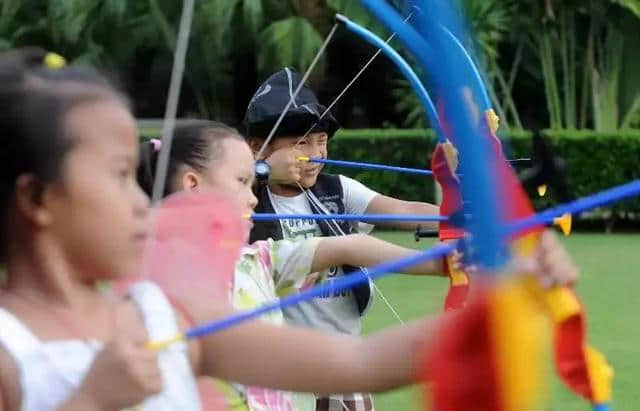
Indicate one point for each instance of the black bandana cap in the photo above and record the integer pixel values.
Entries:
(269, 101)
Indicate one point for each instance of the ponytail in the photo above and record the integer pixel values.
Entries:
(194, 144)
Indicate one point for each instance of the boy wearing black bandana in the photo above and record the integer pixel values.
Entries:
(296, 187)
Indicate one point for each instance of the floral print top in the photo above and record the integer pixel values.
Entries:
(266, 271)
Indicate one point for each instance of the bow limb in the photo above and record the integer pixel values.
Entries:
(443, 165)
(456, 47)
(402, 66)
(475, 152)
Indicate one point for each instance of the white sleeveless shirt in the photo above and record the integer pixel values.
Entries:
(51, 371)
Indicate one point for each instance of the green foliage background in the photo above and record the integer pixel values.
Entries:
(608, 265)
(595, 161)
(547, 64)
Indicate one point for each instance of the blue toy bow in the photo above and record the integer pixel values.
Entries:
(443, 58)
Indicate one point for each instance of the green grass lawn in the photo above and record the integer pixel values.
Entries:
(610, 268)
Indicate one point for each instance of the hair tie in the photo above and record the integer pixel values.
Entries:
(157, 144)
(54, 61)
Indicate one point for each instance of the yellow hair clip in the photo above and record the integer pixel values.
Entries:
(54, 61)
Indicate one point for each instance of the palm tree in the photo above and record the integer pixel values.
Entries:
(245, 40)
(599, 34)
(490, 22)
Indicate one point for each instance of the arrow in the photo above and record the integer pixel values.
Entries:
(382, 167)
(368, 166)
(612, 195)
(345, 217)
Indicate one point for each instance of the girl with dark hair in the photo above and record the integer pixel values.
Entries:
(71, 215)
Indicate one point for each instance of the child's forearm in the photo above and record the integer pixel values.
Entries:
(302, 360)
(388, 205)
(361, 250)
(390, 356)
(79, 401)
(418, 208)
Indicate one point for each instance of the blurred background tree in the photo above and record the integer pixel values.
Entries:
(548, 64)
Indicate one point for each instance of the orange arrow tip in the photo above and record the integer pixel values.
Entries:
(564, 223)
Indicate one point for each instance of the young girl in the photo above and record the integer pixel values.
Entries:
(71, 215)
(211, 156)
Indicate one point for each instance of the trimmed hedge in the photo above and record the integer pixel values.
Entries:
(595, 161)
(407, 148)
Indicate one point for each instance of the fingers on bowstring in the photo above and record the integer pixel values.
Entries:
(456, 260)
(460, 260)
(555, 265)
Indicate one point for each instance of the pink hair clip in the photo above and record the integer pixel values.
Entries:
(157, 144)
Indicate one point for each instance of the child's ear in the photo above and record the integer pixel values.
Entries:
(190, 181)
(31, 201)
(255, 144)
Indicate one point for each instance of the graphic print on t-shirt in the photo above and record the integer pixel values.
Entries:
(335, 311)
(304, 229)
(295, 229)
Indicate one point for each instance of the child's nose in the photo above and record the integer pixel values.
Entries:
(141, 202)
(253, 201)
(315, 150)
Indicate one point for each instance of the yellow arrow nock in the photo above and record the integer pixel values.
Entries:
(304, 158)
(230, 243)
(164, 344)
(542, 190)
